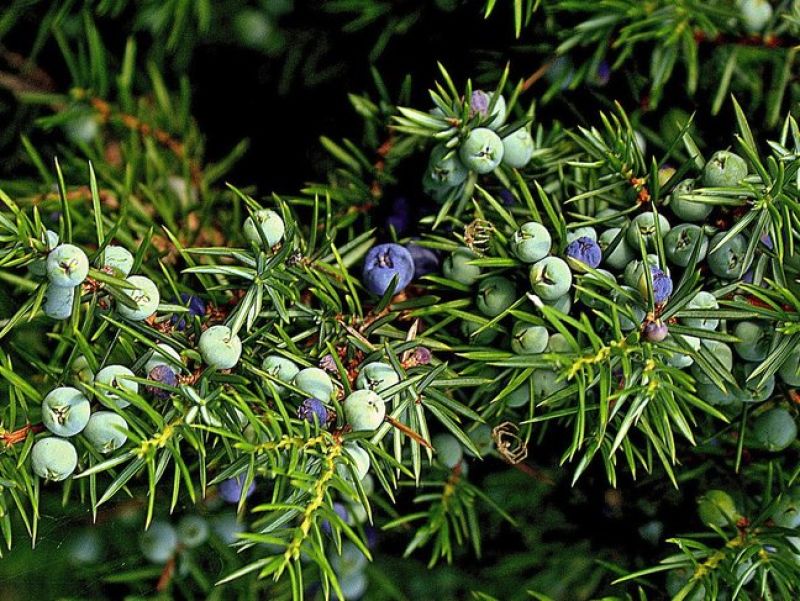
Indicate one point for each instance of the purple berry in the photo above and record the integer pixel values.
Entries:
(425, 260)
(230, 490)
(163, 374)
(766, 240)
(662, 285)
(328, 364)
(507, 196)
(312, 409)
(602, 75)
(585, 250)
(383, 263)
(422, 355)
(479, 102)
(196, 306)
(656, 331)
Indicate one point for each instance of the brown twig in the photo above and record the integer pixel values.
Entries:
(408, 431)
(17, 436)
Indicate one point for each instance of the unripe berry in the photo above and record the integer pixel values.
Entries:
(58, 302)
(481, 151)
(531, 242)
(528, 339)
(643, 227)
(315, 383)
(53, 458)
(119, 259)
(775, 430)
(495, 295)
(159, 542)
(517, 149)
(65, 411)
(106, 431)
(220, 348)
(145, 295)
(550, 278)
(724, 169)
(717, 508)
(67, 266)
(444, 167)
(728, 260)
(456, 267)
(192, 531)
(377, 376)
(280, 368)
(115, 376)
(269, 223)
(364, 410)
(359, 461)
(448, 450)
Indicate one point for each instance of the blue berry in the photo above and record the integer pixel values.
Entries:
(163, 374)
(425, 260)
(280, 368)
(196, 306)
(656, 331)
(106, 431)
(495, 295)
(65, 411)
(164, 354)
(220, 348)
(145, 295)
(118, 259)
(456, 267)
(315, 383)
(53, 458)
(341, 511)
(364, 410)
(383, 263)
(481, 151)
(67, 266)
(230, 490)
(269, 223)
(662, 285)
(312, 410)
(377, 376)
(517, 149)
(192, 531)
(115, 376)
(584, 251)
(58, 302)
(550, 278)
(724, 169)
(159, 542)
(531, 242)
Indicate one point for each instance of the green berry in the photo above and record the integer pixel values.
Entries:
(528, 339)
(377, 376)
(558, 343)
(84, 547)
(787, 511)
(481, 151)
(53, 458)
(616, 252)
(612, 218)
(724, 169)
(546, 383)
(682, 360)
(106, 431)
(456, 267)
(754, 341)
(702, 301)
(599, 283)
(115, 376)
(315, 382)
(65, 411)
(582, 232)
(281, 368)
(444, 167)
(751, 391)
(269, 223)
(728, 260)
(192, 531)
(495, 295)
(755, 14)
(220, 348)
(789, 371)
(485, 338)
(145, 295)
(775, 430)
(359, 461)
(562, 304)
(58, 302)
(67, 266)
(364, 410)
(448, 450)
(517, 148)
(685, 209)
(717, 508)
(159, 542)
(680, 242)
(722, 353)
(481, 438)
(633, 271)
(118, 259)
(163, 354)
(531, 242)
(643, 227)
(351, 561)
(551, 278)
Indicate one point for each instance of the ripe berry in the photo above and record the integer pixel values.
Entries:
(312, 410)
(145, 295)
(65, 411)
(385, 262)
(67, 266)
(584, 251)
(481, 151)
(315, 383)
(269, 223)
(106, 431)
(53, 458)
(377, 376)
(531, 242)
(656, 331)
(164, 354)
(364, 410)
(724, 169)
(115, 376)
(425, 260)
(662, 285)
(163, 374)
(220, 348)
(230, 490)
